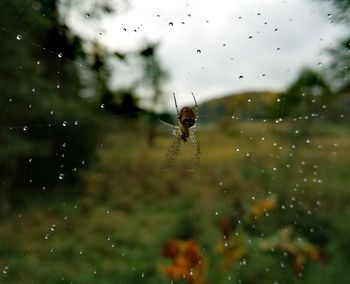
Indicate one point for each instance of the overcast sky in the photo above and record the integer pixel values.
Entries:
(207, 45)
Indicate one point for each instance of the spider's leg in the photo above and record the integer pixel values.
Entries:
(174, 149)
(198, 148)
(175, 128)
(195, 102)
(177, 109)
(168, 124)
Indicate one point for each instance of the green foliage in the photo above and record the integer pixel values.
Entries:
(115, 229)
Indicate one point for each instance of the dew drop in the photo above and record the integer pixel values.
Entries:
(60, 55)
(61, 176)
(76, 122)
(25, 128)
(199, 51)
(18, 37)
(64, 123)
(171, 24)
(240, 77)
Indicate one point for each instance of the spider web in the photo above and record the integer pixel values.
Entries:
(293, 158)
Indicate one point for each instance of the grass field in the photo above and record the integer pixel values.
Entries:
(256, 181)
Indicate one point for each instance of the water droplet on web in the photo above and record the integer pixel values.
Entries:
(276, 30)
(250, 37)
(76, 122)
(87, 15)
(64, 123)
(25, 128)
(199, 51)
(102, 106)
(18, 37)
(240, 77)
(58, 86)
(33, 90)
(171, 24)
(61, 176)
(60, 55)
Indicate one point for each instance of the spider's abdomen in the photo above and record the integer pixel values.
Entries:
(184, 134)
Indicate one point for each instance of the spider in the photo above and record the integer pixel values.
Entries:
(183, 131)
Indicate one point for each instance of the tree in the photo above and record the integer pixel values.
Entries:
(305, 96)
(154, 77)
(42, 137)
(339, 66)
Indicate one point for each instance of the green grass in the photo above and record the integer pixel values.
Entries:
(114, 230)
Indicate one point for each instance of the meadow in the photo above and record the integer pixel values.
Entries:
(268, 204)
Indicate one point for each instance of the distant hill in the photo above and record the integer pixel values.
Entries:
(245, 105)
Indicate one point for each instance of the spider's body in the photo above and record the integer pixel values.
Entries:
(186, 121)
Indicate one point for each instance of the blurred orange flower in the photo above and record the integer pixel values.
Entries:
(261, 206)
(232, 250)
(188, 261)
(299, 248)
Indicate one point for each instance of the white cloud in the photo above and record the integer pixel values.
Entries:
(304, 30)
